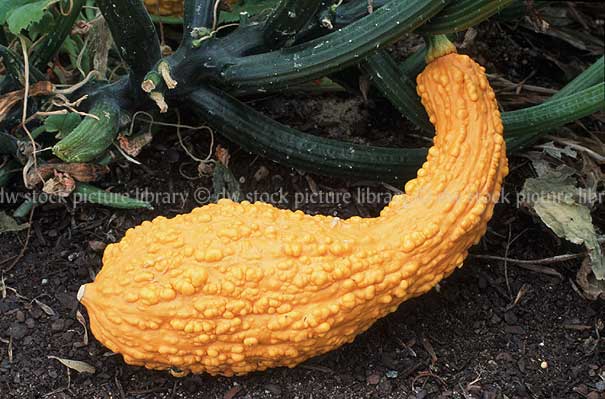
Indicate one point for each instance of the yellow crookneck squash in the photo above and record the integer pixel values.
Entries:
(232, 288)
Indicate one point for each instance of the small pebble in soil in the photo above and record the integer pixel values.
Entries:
(20, 316)
(96, 245)
(373, 379)
(274, 389)
(510, 318)
(58, 325)
(17, 330)
(421, 394)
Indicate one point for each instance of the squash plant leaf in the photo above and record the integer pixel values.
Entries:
(8, 6)
(8, 224)
(62, 124)
(19, 18)
(554, 197)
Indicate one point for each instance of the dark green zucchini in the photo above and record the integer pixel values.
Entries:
(134, 35)
(261, 135)
(590, 77)
(287, 20)
(92, 137)
(462, 14)
(333, 52)
(397, 87)
(90, 194)
(528, 123)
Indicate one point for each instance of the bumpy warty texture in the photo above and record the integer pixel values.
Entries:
(237, 287)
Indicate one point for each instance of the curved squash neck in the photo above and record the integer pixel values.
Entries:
(452, 198)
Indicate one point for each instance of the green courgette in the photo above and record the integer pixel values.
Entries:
(462, 14)
(330, 53)
(261, 135)
(397, 87)
(91, 137)
(90, 194)
(134, 35)
(287, 20)
(590, 77)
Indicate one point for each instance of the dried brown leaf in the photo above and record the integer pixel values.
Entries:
(78, 365)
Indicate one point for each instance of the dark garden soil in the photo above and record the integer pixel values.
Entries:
(491, 330)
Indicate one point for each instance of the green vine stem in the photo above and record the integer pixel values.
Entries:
(287, 20)
(438, 46)
(262, 135)
(54, 40)
(519, 8)
(94, 195)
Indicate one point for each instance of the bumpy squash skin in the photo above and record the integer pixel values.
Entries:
(237, 287)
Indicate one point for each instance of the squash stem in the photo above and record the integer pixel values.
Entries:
(438, 46)
(159, 100)
(164, 70)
